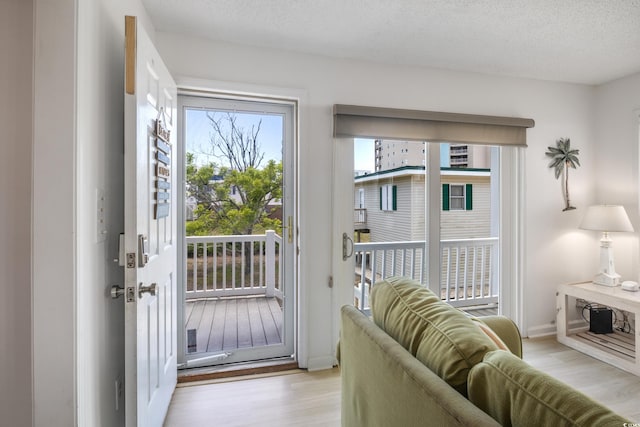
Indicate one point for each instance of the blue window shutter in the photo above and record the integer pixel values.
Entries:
(394, 191)
(381, 198)
(469, 197)
(445, 197)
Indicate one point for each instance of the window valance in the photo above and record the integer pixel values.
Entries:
(352, 121)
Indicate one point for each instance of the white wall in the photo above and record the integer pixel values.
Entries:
(99, 162)
(53, 250)
(617, 141)
(558, 109)
(78, 148)
(16, 112)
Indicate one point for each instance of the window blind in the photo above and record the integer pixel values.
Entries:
(352, 121)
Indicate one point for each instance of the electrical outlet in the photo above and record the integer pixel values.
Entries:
(118, 394)
(580, 303)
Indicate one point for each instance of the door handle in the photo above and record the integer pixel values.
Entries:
(151, 289)
(346, 253)
(116, 291)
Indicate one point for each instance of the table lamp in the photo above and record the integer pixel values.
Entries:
(606, 218)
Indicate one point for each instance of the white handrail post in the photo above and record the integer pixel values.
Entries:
(270, 265)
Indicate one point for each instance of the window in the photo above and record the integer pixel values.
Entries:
(457, 197)
(388, 198)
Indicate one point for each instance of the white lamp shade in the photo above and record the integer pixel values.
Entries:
(606, 218)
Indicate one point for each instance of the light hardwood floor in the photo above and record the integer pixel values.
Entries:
(300, 398)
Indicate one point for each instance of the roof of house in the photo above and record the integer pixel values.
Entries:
(419, 170)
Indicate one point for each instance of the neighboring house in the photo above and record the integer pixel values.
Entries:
(390, 207)
(394, 201)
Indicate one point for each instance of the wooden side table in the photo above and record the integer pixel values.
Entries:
(619, 349)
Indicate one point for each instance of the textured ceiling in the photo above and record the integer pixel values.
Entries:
(580, 41)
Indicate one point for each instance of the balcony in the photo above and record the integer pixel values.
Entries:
(233, 297)
(467, 269)
(360, 219)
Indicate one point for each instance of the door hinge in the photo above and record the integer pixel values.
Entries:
(331, 281)
(131, 260)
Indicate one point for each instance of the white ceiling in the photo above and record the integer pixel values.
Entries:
(581, 41)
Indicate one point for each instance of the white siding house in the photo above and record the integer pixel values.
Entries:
(395, 203)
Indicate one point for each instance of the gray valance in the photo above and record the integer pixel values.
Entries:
(352, 121)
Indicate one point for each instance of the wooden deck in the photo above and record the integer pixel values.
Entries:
(223, 324)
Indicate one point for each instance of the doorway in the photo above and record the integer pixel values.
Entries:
(238, 260)
(506, 220)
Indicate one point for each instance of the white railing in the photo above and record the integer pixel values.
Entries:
(234, 265)
(467, 274)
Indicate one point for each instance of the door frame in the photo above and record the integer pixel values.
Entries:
(246, 92)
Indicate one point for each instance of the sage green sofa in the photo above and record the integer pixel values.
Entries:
(421, 362)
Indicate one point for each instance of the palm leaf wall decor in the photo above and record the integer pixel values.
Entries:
(563, 157)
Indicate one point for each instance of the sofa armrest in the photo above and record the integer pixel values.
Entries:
(507, 331)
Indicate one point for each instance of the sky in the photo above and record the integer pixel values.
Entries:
(364, 154)
(199, 131)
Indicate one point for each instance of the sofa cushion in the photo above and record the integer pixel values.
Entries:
(516, 394)
(441, 337)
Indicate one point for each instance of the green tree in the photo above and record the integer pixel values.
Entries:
(562, 158)
(235, 198)
(243, 199)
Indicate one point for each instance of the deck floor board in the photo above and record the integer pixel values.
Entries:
(229, 323)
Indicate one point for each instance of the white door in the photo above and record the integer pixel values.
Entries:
(343, 263)
(150, 231)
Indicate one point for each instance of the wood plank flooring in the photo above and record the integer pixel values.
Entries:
(223, 324)
(302, 398)
(604, 383)
(296, 398)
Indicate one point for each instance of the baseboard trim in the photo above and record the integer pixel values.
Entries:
(542, 330)
(321, 363)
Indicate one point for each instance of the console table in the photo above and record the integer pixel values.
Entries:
(618, 348)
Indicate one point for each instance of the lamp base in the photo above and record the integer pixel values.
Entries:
(606, 279)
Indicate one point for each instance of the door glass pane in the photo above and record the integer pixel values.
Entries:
(236, 212)
(469, 225)
(389, 216)
(392, 213)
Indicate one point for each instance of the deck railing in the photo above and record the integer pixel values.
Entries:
(250, 265)
(467, 269)
(234, 265)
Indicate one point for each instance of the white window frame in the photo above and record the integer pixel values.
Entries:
(457, 198)
(387, 197)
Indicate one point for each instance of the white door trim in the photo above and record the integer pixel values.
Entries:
(245, 91)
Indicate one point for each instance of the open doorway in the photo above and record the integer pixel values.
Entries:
(238, 260)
